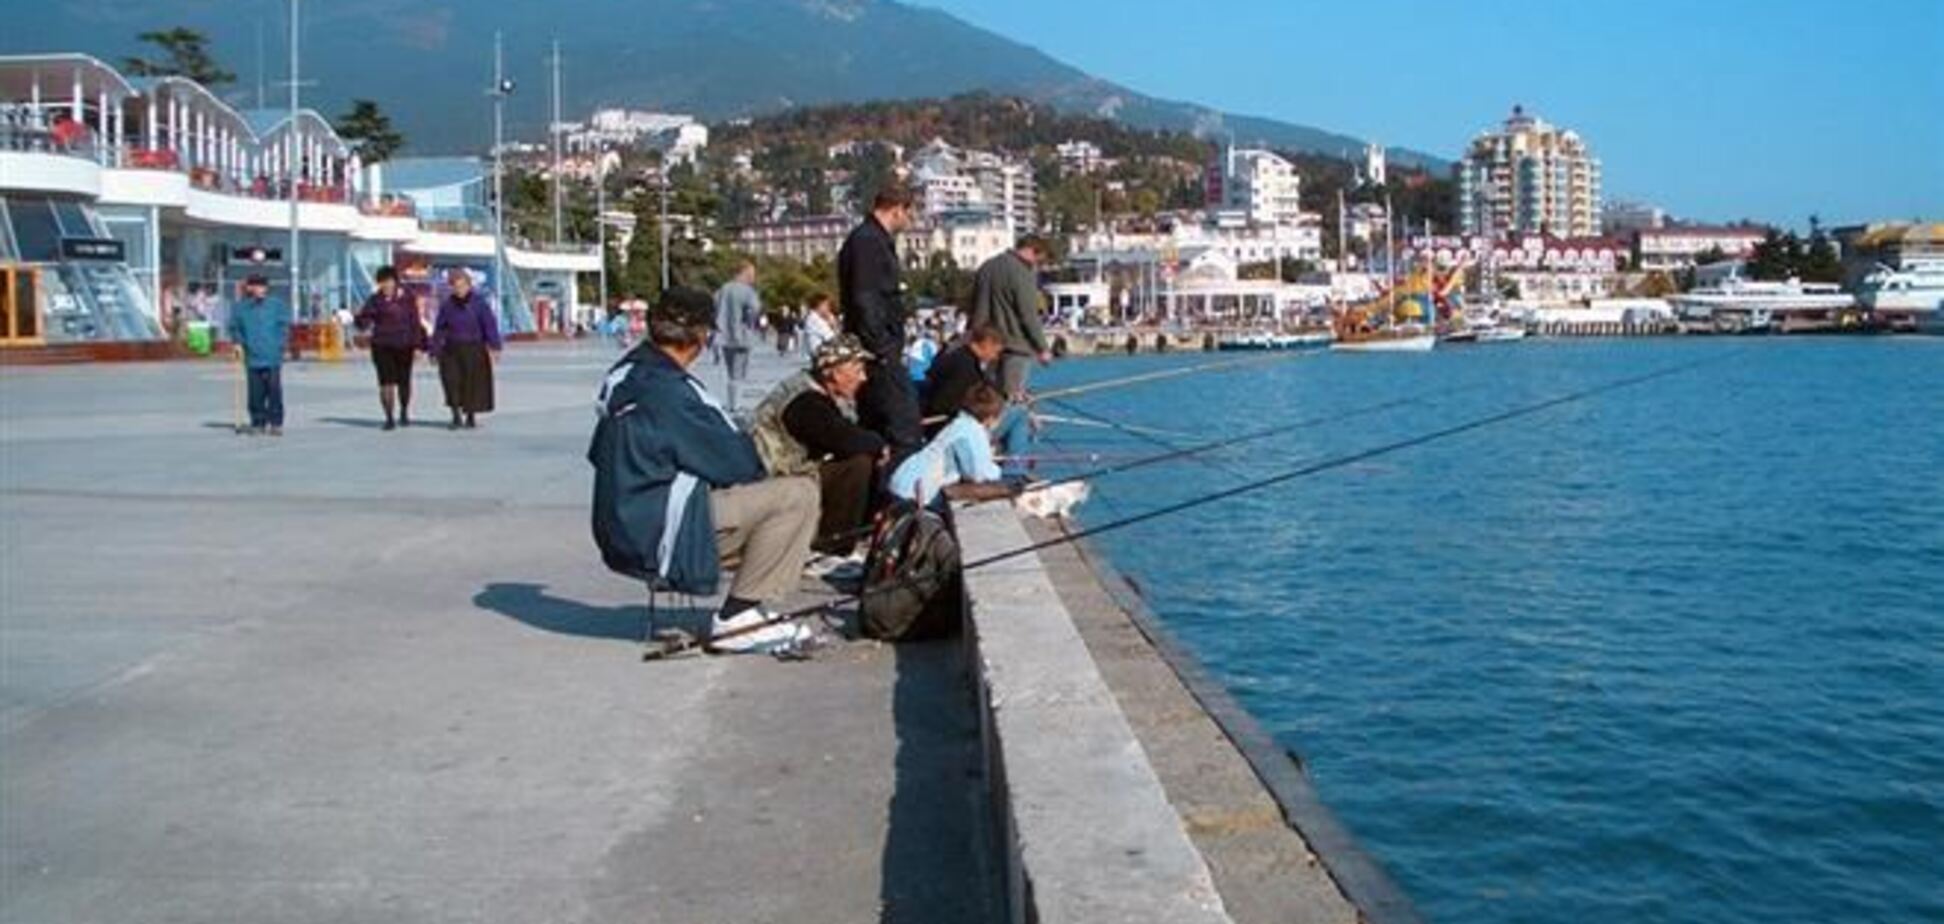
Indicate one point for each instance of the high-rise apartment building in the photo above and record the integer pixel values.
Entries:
(1257, 183)
(1529, 177)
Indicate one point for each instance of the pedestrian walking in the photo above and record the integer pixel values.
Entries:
(260, 326)
(737, 308)
(465, 339)
(397, 334)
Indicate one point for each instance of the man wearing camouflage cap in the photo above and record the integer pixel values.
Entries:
(677, 488)
(808, 426)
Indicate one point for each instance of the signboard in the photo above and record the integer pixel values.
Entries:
(93, 248)
(255, 255)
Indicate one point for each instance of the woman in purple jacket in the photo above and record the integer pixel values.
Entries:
(391, 314)
(462, 335)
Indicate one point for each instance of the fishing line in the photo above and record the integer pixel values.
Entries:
(1143, 434)
(1089, 387)
(1305, 471)
(1342, 461)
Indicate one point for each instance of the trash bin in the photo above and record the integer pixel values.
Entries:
(198, 338)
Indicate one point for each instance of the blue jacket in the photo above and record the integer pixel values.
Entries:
(662, 444)
(263, 328)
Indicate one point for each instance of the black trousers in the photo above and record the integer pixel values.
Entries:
(888, 406)
(845, 503)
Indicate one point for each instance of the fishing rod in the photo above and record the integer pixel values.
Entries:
(674, 646)
(1341, 461)
(1087, 419)
(1142, 434)
(1173, 452)
(1124, 381)
(1185, 452)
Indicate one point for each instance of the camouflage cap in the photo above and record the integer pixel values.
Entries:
(839, 350)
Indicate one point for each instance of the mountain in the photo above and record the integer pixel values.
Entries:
(428, 62)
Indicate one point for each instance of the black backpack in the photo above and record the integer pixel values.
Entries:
(912, 584)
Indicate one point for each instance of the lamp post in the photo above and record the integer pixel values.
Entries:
(600, 221)
(502, 88)
(294, 258)
(662, 224)
(554, 129)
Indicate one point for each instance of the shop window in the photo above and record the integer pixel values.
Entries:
(35, 230)
(74, 222)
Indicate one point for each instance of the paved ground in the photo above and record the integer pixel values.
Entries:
(350, 675)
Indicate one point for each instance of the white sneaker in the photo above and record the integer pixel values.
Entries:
(766, 640)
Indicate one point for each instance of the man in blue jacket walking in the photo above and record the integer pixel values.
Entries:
(678, 489)
(260, 326)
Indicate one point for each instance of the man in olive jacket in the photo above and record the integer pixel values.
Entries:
(1006, 297)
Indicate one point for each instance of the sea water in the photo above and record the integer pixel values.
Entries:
(1671, 653)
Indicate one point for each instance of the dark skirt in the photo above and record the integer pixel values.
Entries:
(394, 364)
(466, 371)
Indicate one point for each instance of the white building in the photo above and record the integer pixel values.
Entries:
(1619, 217)
(124, 202)
(1080, 157)
(950, 179)
(1544, 269)
(680, 138)
(1257, 183)
(858, 148)
(969, 238)
(1241, 243)
(1676, 248)
(1529, 177)
(1375, 170)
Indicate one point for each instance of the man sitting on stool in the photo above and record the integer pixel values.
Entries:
(807, 426)
(667, 457)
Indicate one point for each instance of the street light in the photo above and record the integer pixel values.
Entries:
(662, 224)
(502, 88)
(600, 221)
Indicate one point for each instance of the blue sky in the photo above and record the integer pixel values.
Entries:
(1713, 109)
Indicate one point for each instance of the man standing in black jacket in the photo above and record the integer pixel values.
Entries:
(873, 304)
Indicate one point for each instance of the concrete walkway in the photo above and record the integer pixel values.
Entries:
(349, 675)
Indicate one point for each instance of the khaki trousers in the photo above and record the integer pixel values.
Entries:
(768, 526)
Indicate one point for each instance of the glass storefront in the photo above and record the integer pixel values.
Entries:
(90, 292)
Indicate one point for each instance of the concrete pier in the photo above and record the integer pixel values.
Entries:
(352, 675)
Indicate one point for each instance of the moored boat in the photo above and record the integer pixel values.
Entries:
(1387, 341)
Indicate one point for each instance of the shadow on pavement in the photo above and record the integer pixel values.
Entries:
(363, 423)
(532, 605)
(937, 867)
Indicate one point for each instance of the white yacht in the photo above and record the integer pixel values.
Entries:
(1736, 304)
(1917, 285)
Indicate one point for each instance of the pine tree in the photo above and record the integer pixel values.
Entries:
(1820, 263)
(188, 56)
(370, 131)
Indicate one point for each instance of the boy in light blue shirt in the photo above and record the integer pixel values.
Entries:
(958, 461)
